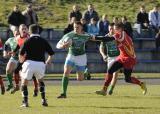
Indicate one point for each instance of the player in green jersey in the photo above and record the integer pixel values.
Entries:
(76, 57)
(109, 52)
(9, 46)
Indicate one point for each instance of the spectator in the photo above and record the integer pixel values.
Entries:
(142, 18)
(15, 18)
(83, 21)
(115, 20)
(69, 27)
(75, 13)
(157, 39)
(127, 26)
(103, 25)
(154, 18)
(92, 27)
(90, 13)
(30, 16)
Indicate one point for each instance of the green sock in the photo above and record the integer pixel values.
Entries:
(111, 87)
(65, 81)
(9, 77)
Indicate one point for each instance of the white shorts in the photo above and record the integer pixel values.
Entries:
(30, 68)
(79, 62)
(110, 61)
(11, 60)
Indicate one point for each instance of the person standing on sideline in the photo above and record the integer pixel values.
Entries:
(90, 13)
(15, 19)
(33, 55)
(75, 13)
(30, 16)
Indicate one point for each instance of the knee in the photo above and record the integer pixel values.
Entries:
(80, 78)
(42, 87)
(8, 71)
(128, 79)
(41, 84)
(110, 71)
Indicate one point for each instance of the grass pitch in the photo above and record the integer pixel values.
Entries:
(126, 99)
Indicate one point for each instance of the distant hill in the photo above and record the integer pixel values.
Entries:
(52, 13)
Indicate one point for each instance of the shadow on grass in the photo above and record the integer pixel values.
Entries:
(107, 107)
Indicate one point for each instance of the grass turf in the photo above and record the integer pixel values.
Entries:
(82, 100)
(101, 75)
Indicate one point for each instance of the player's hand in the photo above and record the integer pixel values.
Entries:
(48, 62)
(66, 44)
(11, 53)
(105, 58)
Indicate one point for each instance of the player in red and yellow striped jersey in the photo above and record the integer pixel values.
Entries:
(126, 60)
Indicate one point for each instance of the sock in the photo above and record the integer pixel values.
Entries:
(9, 77)
(111, 87)
(42, 90)
(86, 71)
(135, 81)
(65, 81)
(35, 83)
(24, 93)
(1, 82)
(16, 78)
(108, 79)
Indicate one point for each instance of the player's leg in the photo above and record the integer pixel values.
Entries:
(113, 83)
(27, 72)
(110, 61)
(108, 78)
(42, 91)
(35, 83)
(69, 64)
(9, 71)
(87, 74)
(65, 81)
(17, 77)
(80, 64)
(80, 72)
(129, 79)
(2, 85)
(24, 90)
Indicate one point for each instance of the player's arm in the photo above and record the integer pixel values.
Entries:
(64, 42)
(50, 53)
(49, 59)
(102, 38)
(101, 50)
(61, 44)
(22, 53)
(5, 51)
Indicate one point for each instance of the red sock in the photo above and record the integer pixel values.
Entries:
(16, 78)
(108, 79)
(135, 81)
(1, 82)
(35, 84)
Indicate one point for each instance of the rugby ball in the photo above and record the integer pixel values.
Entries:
(68, 41)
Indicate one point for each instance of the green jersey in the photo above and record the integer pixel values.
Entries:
(78, 42)
(13, 44)
(112, 49)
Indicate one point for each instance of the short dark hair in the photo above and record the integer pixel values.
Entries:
(34, 29)
(119, 25)
(78, 23)
(111, 24)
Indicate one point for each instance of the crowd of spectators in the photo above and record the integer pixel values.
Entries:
(17, 17)
(91, 20)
